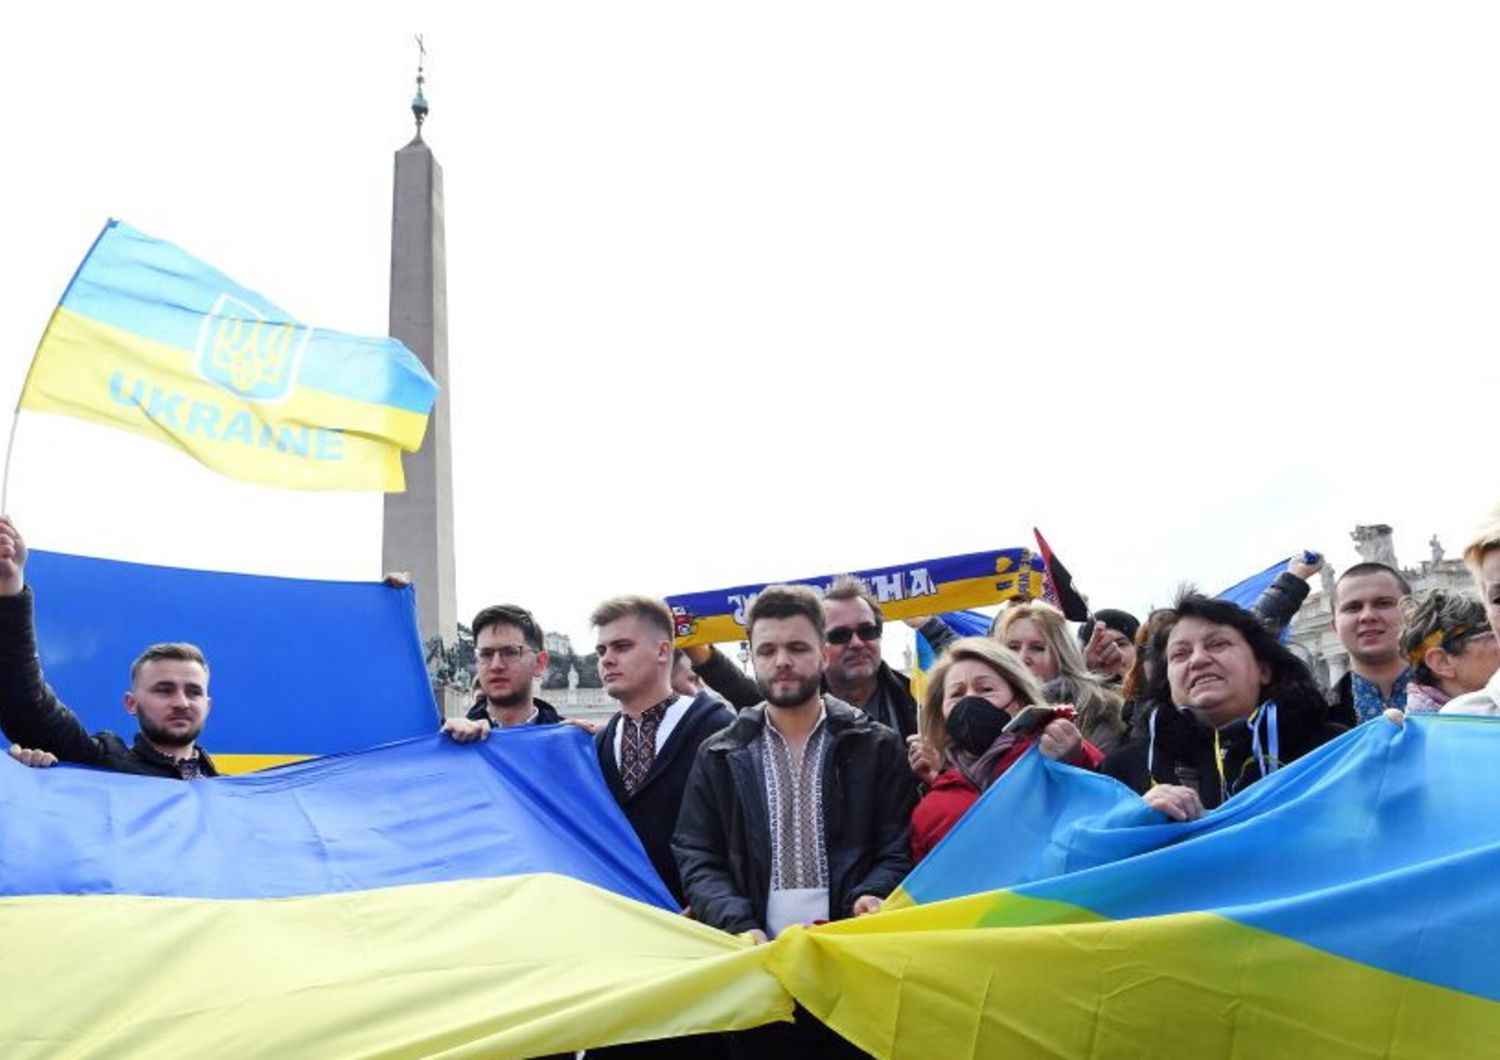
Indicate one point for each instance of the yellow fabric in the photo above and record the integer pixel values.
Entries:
(89, 370)
(509, 967)
(1046, 979)
(232, 765)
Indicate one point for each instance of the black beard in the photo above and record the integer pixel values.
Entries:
(162, 738)
(804, 691)
(515, 699)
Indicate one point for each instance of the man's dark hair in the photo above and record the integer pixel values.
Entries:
(1369, 567)
(650, 610)
(1291, 684)
(175, 652)
(785, 601)
(509, 615)
(848, 587)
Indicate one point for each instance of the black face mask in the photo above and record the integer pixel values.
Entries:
(974, 724)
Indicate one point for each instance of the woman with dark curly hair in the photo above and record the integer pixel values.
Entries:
(1227, 705)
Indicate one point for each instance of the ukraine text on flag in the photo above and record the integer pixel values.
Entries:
(150, 340)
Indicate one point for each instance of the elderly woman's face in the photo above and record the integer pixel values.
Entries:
(1212, 670)
(970, 677)
(1025, 638)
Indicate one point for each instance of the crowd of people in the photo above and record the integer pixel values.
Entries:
(807, 792)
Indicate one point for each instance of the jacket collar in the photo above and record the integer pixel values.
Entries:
(143, 749)
(748, 725)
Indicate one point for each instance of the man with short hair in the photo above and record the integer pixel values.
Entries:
(854, 671)
(684, 681)
(1367, 618)
(508, 660)
(800, 811)
(647, 748)
(168, 695)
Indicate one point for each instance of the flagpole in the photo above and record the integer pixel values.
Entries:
(10, 442)
(15, 416)
(10, 445)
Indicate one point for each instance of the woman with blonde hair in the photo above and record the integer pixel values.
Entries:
(1482, 556)
(973, 692)
(1038, 634)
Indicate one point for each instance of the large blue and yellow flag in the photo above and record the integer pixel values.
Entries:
(488, 900)
(421, 899)
(151, 340)
(297, 668)
(907, 590)
(1344, 907)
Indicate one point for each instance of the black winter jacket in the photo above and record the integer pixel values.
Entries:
(32, 715)
(652, 808)
(1183, 750)
(723, 841)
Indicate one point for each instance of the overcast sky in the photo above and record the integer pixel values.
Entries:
(746, 292)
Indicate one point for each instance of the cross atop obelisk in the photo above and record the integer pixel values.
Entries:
(419, 523)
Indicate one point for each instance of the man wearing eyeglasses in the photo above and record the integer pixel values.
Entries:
(508, 659)
(853, 668)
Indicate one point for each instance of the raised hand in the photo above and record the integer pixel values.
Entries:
(12, 558)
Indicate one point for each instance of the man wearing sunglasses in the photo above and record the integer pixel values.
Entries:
(853, 668)
(508, 660)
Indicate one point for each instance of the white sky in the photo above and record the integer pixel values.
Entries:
(746, 292)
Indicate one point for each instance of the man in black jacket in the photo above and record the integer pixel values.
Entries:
(509, 657)
(800, 811)
(646, 750)
(168, 695)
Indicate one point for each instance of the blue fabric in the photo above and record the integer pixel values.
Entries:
(1245, 593)
(1398, 821)
(964, 623)
(526, 800)
(295, 667)
(154, 289)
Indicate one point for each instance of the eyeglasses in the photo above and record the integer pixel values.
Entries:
(506, 653)
(866, 631)
(1462, 642)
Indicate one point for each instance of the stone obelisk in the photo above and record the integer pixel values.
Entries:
(419, 523)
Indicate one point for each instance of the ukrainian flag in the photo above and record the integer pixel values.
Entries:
(1346, 906)
(151, 340)
(430, 899)
(419, 899)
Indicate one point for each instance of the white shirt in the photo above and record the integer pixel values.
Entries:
(1484, 701)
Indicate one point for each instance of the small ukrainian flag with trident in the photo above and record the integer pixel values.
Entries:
(151, 340)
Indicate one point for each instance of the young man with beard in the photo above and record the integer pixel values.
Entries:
(508, 660)
(853, 670)
(168, 695)
(1367, 618)
(797, 813)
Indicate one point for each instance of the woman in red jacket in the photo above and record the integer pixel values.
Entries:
(972, 693)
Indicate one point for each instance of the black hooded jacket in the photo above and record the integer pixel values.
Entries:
(1181, 751)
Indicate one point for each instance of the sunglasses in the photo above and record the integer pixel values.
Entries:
(866, 631)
